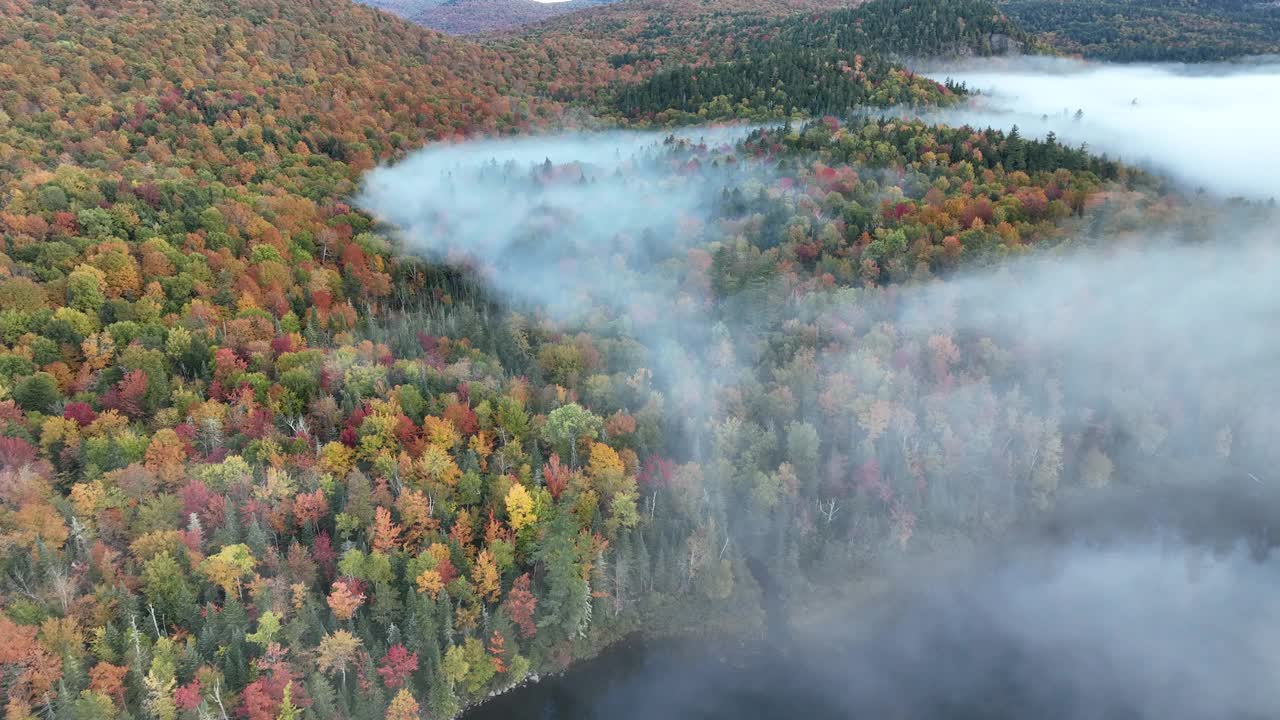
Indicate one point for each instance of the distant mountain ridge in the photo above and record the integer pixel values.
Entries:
(1153, 30)
(469, 17)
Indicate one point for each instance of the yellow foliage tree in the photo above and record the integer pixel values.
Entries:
(98, 349)
(336, 459)
(605, 468)
(485, 576)
(436, 464)
(87, 497)
(158, 542)
(519, 507)
(482, 445)
(403, 707)
(37, 523)
(107, 424)
(337, 652)
(228, 567)
(415, 510)
(378, 432)
(438, 552)
(62, 431)
(430, 582)
(440, 432)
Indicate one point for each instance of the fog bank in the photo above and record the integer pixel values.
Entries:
(1134, 629)
(1208, 126)
(1162, 349)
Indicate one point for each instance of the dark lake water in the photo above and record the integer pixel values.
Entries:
(659, 679)
(1130, 631)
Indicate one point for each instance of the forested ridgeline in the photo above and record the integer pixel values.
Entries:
(1159, 31)
(800, 83)
(906, 29)
(828, 63)
(620, 43)
(466, 17)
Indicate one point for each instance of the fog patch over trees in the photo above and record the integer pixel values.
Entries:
(588, 230)
(555, 220)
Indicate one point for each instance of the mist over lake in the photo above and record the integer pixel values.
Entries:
(1127, 630)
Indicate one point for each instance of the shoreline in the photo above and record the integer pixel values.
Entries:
(637, 641)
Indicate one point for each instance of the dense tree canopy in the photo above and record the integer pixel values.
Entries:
(258, 461)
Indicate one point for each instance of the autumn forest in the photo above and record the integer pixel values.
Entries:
(316, 406)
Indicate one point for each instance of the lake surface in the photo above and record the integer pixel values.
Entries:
(1156, 629)
(664, 679)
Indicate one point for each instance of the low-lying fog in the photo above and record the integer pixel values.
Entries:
(1211, 126)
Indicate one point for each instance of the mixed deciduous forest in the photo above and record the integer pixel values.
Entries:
(262, 458)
